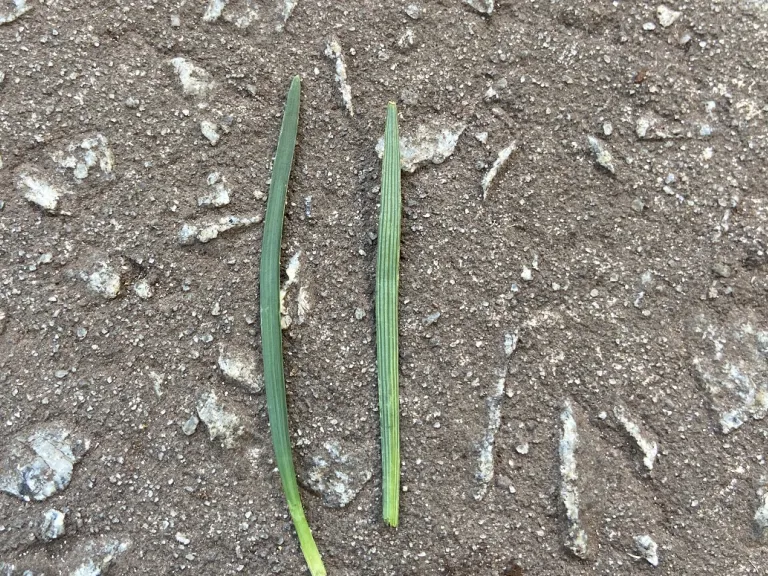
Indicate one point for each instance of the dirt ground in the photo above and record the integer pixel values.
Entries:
(643, 289)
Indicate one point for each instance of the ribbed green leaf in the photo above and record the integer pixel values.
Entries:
(271, 336)
(387, 284)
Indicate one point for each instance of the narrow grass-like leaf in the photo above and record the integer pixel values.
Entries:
(387, 283)
(271, 335)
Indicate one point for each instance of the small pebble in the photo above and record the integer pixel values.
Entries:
(238, 366)
(359, 313)
(721, 270)
(52, 525)
(182, 539)
(208, 129)
(175, 21)
(607, 128)
(503, 481)
(602, 155)
(105, 281)
(523, 448)
(648, 548)
(594, 293)
(190, 426)
(649, 26)
(413, 11)
(38, 192)
(430, 319)
(526, 274)
(637, 205)
(142, 289)
(61, 374)
(666, 16)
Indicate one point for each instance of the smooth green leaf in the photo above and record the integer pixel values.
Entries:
(271, 335)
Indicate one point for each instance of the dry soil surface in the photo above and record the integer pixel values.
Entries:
(626, 277)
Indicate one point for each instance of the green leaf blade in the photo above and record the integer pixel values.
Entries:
(271, 334)
(387, 286)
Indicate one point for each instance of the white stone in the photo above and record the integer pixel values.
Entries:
(333, 50)
(576, 539)
(41, 464)
(81, 156)
(303, 304)
(648, 446)
(602, 156)
(433, 143)
(407, 39)
(526, 274)
(761, 517)
(190, 425)
(286, 8)
(651, 127)
(667, 16)
(648, 548)
(413, 11)
(38, 192)
(10, 14)
(209, 130)
(292, 277)
(735, 376)
(182, 539)
(100, 556)
(191, 233)
(502, 158)
(52, 525)
(213, 10)
(338, 475)
(510, 343)
(219, 194)
(483, 6)
(238, 365)
(142, 289)
(194, 80)
(485, 466)
(221, 424)
(105, 281)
